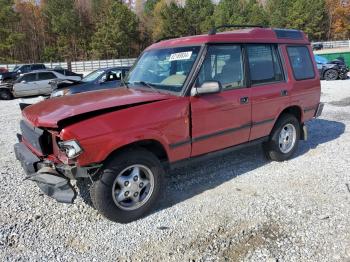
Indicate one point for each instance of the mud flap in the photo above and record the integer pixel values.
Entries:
(54, 185)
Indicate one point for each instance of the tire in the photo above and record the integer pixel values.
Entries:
(331, 74)
(105, 192)
(5, 94)
(288, 124)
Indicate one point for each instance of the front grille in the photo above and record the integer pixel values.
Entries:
(40, 139)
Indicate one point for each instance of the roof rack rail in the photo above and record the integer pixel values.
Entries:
(214, 29)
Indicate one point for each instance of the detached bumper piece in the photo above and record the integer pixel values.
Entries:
(47, 178)
(54, 185)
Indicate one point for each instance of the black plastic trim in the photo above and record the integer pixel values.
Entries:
(223, 132)
(192, 160)
(219, 133)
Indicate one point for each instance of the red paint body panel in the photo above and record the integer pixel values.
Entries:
(163, 121)
(221, 112)
(49, 112)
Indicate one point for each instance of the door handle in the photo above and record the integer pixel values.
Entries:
(284, 92)
(244, 100)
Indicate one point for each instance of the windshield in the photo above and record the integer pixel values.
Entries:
(164, 69)
(15, 69)
(93, 76)
(321, 60)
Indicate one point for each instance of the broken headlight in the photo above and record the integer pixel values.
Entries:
(71, 148)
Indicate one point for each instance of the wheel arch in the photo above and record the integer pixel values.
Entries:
(296, 111)
(150, 145)
(293, 110)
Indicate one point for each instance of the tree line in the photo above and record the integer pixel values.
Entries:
(57, 30)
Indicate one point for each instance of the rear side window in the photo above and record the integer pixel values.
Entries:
(264, 64)
(38, 67)
(46, 76)
(301, 62)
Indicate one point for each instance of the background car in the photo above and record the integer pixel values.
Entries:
(66, 72)
(317, 46)
(3, 70)
(331, 70)
(18, 70)
(100, 79)
(38, 83)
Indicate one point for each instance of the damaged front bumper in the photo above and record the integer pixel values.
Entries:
(49, 177)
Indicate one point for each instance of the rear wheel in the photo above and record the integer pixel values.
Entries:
(284, 138)
(5, 94)
(129, 186)
(331, 74)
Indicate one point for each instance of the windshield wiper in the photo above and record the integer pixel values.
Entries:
(150, 85)
(125, 83)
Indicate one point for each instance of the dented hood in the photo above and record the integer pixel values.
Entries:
(50, 112)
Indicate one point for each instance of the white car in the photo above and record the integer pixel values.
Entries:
(38, 83)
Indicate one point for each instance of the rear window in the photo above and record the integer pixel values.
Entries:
(301, 62)
(46, 76)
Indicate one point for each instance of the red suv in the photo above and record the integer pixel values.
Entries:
(185, 99)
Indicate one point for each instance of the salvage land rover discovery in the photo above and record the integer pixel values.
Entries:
(185, 99)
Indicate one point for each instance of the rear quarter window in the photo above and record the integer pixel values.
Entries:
(300, 59)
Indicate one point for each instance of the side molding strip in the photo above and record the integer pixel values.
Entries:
(219, 133)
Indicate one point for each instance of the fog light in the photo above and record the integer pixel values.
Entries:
(71, 148)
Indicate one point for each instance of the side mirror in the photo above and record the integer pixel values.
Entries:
(209, 87)
(19, 71)
(23, 81)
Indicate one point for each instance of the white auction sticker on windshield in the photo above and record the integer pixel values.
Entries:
(180, 56)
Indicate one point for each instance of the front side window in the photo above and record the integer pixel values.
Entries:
(164, 69)
(28, 78)
(301, 62)
(264, 64)
(223, 64)
(114, 75)
(25, 68)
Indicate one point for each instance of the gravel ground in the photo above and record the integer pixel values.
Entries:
(237, 207)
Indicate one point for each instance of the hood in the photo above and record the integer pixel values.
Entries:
(50, 112)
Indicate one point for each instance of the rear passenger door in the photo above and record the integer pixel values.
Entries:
(223, 119)
(43, 82)
(270, 90)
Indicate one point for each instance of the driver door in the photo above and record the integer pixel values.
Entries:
(223, 119)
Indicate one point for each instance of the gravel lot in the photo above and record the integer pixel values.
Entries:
(237, 207)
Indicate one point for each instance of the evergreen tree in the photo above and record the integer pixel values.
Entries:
(116, 33)
(278, 12)
(8, 34)
(240, 12)
(64, 25)
(309, 16)
(199, 14)
(169, 20)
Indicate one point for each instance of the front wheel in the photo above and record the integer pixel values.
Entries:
(5, 94)
(331, 74)
(128, 186)
(284, 139)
